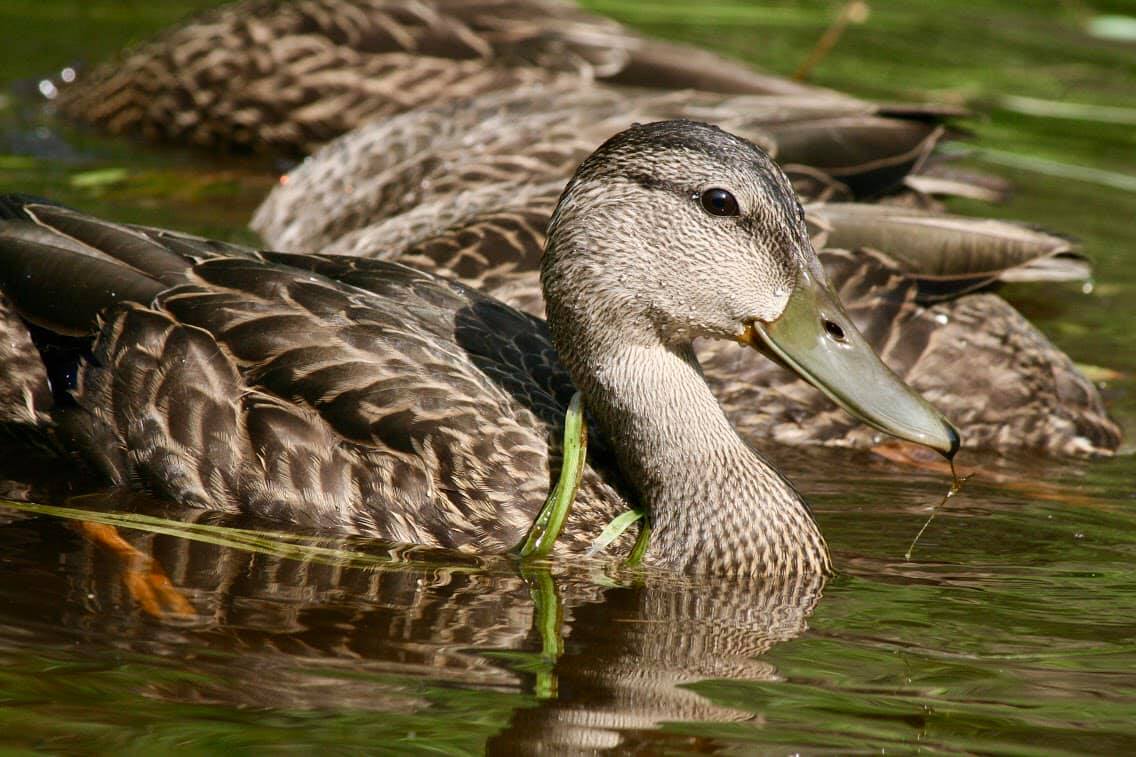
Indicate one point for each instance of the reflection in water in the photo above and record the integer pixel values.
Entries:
(626, 659)
(598, 659)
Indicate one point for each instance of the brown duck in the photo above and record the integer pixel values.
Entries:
(286, 77)
(373, 398)
(466, 191)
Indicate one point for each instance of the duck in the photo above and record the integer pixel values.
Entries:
(467, 190)
(282, 78)
(369, 397)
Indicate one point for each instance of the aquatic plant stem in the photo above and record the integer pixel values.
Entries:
(615, 529)
(641, 543)
(956, 486)
(548, 616)
(550, 520)
(853, 12)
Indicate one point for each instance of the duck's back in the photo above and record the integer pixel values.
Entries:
(327, 392)
(286, 76)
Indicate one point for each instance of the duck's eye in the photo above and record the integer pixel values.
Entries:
(719, 202)
(834, 330)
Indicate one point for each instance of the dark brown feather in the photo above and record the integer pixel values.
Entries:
(25, 397)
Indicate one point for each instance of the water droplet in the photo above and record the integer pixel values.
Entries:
(1087, 287)
(858, 12)
(47, 89)
(942, 319)
(67, 75)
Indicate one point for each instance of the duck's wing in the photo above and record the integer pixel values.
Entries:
(350, 394)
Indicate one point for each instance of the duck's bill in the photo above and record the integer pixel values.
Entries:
(815, 338)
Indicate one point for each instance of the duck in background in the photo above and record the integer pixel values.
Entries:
(467, 190)
(285, 77)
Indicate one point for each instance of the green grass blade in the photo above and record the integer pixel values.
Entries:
(550, 520)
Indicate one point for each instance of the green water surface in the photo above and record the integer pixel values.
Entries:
(1011, 630)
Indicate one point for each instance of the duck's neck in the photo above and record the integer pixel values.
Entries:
(716, 506)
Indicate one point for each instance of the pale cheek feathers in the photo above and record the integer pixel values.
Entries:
(691, 274)
(728, 278)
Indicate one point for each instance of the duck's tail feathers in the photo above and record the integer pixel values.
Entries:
(861, 156)
(60, 269)
(13, 206)
(950, 255)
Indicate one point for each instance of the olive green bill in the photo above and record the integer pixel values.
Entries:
(816, 338)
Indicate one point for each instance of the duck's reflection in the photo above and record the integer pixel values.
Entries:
(627, 657)
(595, 661)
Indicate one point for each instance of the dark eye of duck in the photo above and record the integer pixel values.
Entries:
(719, 202)
(834, 330)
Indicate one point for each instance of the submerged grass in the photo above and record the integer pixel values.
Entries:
(308, 548)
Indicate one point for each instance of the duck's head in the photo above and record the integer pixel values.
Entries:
(677, 230)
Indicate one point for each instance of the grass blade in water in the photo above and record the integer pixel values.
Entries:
(550, 520)
(956, 486)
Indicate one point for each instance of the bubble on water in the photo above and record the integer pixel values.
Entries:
(47, 89)
(1087, 287)
(67, 75)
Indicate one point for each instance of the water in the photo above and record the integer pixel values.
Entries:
(1011, 629)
